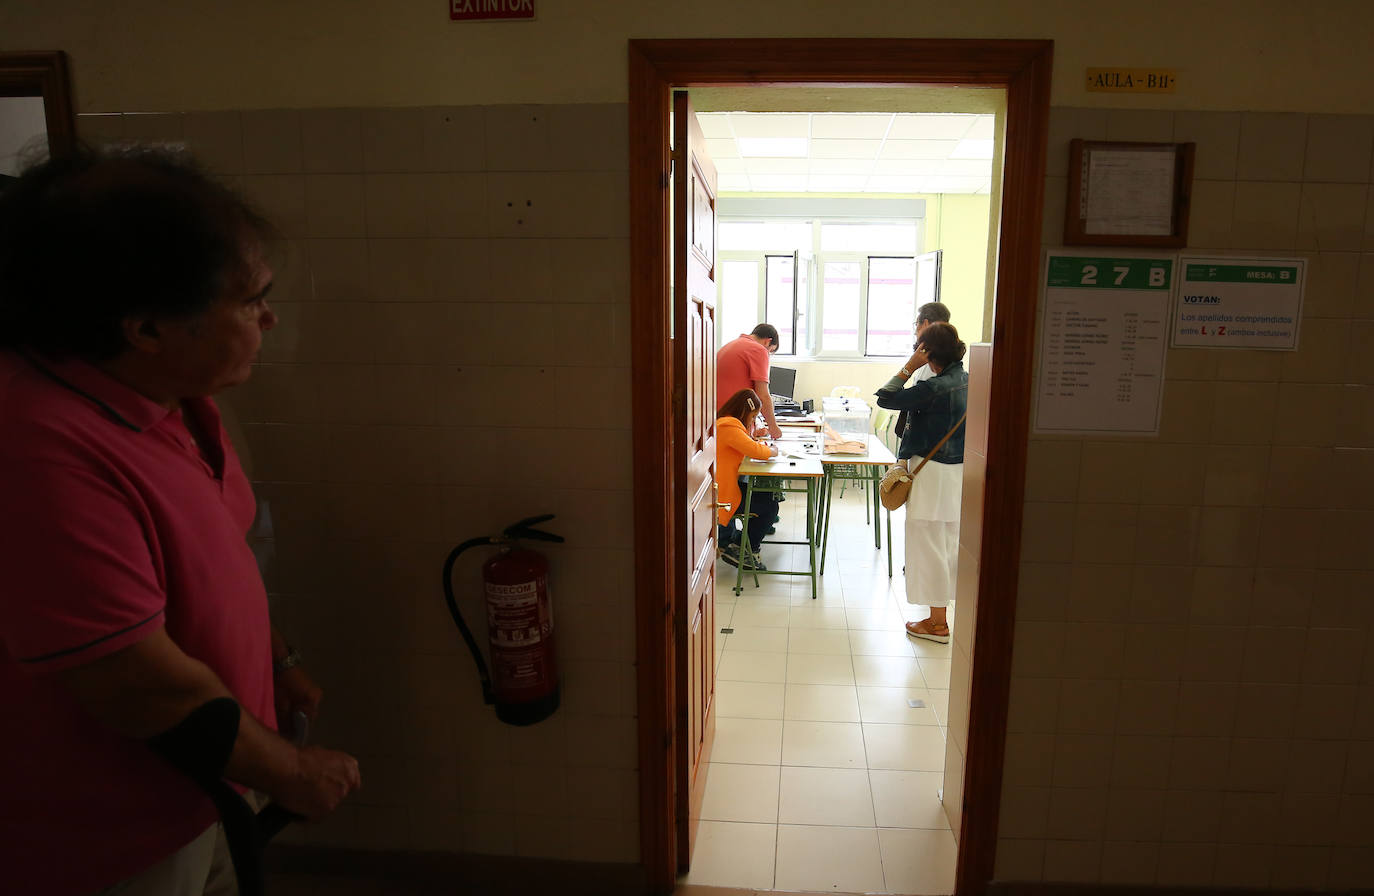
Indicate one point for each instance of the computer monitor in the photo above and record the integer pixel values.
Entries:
(782, 381)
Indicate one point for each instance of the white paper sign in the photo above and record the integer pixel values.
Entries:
(1102, 344)
(1253, 303)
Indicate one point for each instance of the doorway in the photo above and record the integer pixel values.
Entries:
(660, 381)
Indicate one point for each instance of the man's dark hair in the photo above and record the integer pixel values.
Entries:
(942, 343)
(91, 238)
(766, 331)
(933, 312)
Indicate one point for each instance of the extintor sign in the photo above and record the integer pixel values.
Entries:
(490, 10)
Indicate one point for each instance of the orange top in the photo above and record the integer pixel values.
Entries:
(733, 445)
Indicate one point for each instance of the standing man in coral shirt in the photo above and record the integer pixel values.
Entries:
(743, 364)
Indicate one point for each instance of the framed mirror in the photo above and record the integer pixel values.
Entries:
(35, 108)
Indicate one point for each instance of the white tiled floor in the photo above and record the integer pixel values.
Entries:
(823, 776)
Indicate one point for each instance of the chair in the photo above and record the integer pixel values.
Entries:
(883, 422)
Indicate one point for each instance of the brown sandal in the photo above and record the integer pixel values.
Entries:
(928, 631)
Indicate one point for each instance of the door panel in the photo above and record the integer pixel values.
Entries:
(694, 289)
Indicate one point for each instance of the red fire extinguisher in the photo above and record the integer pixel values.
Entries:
(523, 681)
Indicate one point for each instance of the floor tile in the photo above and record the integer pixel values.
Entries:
(830, 744)
(919, 748)
(924, 648)
(748, 741)
(804, 668)
(732, 854)
(817, 617)
(939, 701)
(893, 705)
(757, 639)
(935, 671)
(749, 699)
(918, 861)
(825, 796)
(821, 703)
(885, 642)
(746, 665)
(828, 858)
(888, 672)
(818, 640)
(908, 799)
(741, 793)
(873, 618)
(751, 616)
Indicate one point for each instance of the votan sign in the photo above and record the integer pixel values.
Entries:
(489, 10)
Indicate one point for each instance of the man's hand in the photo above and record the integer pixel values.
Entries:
(321, 780)
(774, 431)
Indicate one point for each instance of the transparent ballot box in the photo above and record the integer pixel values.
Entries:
(846, 415)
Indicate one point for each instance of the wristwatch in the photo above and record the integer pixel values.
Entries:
(290, 661)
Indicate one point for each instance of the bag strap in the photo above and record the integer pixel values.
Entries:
(938, 445)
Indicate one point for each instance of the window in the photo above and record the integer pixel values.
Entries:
(860, 280)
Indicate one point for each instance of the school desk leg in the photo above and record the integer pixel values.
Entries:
(811, 496)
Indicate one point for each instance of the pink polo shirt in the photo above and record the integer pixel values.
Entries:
(112, 524)
(739, 364)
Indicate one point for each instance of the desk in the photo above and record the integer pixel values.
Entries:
(867, 468)
(811, 472)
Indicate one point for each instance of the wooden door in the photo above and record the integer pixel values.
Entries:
(694, 400)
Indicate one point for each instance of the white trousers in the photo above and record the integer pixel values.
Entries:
(932, 561)
(200, 868)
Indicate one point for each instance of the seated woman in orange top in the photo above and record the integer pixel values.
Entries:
(735, 442)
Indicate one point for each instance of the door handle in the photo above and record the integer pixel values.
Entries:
(725, 506)
(715, 493)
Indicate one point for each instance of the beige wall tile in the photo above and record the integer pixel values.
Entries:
(1035, 703)
(335, 205)
(1363, 307)
(1266, 215)
(1256, 705)
(1298, 477)
(1274, 654)
(1332, 216)
(1038, 649)
(458, 206)
(1154, 651)
(1243, 413)
(1108, 472)
(271, 141)
(1326, 410)
(216, 139)
(1220, 596)
(394, 140)
(1165, 535)
(590, 137)
(1076, 813)
(1019, 859)
(1098, 593)
(1205, 708)
(1104, 533)
(1238, 365)
(1214, 653)
(1087, 706)
(519, 138)
(1237, 475)
(1257, 765)
(99, 129)
(402, 270)
(1156, 591)
(1140, 125)
(1307, 869)
(1147, 707)
(1129, 863)
(454, 138)
(1053, 470)
(1360, 368)
(1067, 123)
(1217, 135)
(1135, 813)
(1029, 759)
(1052, 217)
(281, 198)
(1187, 413)
(462, 269)
(1332, 280)
(398, 205)
(1197, 763)
(1072, 860)
(339, 269)
(1272, 146)
(1345, 539)
(154, 127)
(1170, 474)
(1339, 148)
(331, 141)
(1140, 762)
(1212, 214)
(522, 271)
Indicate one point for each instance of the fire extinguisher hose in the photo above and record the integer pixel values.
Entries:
(487, 695)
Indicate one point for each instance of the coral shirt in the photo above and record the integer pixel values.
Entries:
(115, 524)
(733, 445)
(739, 364)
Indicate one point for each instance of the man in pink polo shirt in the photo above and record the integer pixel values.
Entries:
(743, 364)
(137, 662)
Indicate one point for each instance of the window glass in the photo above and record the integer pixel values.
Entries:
(899, 238)
(739, 298)
(891, 305)
(840, 307)
(779, 301)
(803, 301)
(764, 236)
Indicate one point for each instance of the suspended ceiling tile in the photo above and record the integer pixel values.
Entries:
(930, 126)
(917, 149)
(972, 149)
(852, 126)
(983, 129)
(776, 166)
(841, 166)
(771, 124)
(837, 183)
(909, 166)
(844, 149)
(778, 183)
(715, 124)
(966, 168)
(953, 184)
(773, 147)
(721, 149)
(891, 183)
(733, 183)
(730, 166)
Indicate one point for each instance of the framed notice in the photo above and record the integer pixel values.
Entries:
(1128, 194)
(1253, 303)
(1102, 342)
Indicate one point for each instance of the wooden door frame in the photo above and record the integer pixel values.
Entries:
(656, 67)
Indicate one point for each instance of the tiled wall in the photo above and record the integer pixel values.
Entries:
(1193, 677)
(452, 356)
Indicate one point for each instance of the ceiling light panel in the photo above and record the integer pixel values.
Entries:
(930, 126)
(721, 149)
(844, 149)
(850, 126)
(983, 128)
(771, 124)
(918, 149)
(772, 147)
(776, 166)
(729, 166)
